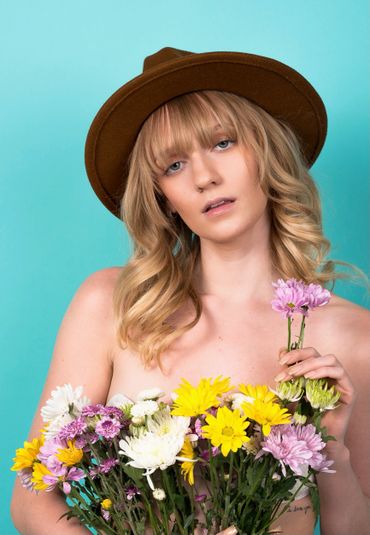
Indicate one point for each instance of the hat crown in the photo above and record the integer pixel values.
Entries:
(164, 54)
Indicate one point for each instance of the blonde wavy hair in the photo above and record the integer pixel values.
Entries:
(158, 279)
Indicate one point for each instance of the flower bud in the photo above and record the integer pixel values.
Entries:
(159, 494)
(320, 395)
(299, 418)
(106, 504)
(291, 390)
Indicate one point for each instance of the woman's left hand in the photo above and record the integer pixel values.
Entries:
(308, 362)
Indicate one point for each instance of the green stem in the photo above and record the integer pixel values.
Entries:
(301, 333)
(224, 523)
(289, 332)
(168, 489)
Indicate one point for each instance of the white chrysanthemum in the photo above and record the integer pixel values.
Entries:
(152, 393)
(144, 408)
(64, 400)
(149, 451)
(158, 446)
(119, 400)
(238, 399)
(163, 423)
(159, 494)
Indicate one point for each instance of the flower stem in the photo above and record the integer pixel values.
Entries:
(224, 523)
(301, 333)
(289, 332)
(169, 493)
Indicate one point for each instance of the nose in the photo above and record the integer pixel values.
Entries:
(204, 170)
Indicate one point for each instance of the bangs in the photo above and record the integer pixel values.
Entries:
(172, 129)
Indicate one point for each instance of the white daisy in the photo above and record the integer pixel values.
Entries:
(238, 399)
(64, 400)
(119, 400)
(144, 408)
(152, 393)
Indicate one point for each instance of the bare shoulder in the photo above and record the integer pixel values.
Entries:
(343, 329)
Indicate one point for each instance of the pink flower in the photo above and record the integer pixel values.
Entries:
(317, 295)
(297, 447)
(108, 427)
(294, 296)
(290, 297)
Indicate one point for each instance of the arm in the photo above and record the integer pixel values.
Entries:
(81, 357)
(344, 503)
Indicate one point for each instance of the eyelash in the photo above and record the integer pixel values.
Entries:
(166, 171)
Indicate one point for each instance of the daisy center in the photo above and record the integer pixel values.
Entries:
(228, 431)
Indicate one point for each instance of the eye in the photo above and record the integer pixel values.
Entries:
(171, 168)
(223, 141)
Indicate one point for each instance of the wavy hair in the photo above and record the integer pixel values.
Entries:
(158, 278)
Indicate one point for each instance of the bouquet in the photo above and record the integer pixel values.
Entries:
(214, 456)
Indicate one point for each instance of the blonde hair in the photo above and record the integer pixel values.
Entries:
(158, 279)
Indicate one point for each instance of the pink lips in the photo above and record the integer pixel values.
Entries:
(216, 201)
(220, 209)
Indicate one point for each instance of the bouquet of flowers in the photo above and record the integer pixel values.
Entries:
(214, 456)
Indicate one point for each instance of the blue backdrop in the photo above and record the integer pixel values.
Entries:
(59, 62)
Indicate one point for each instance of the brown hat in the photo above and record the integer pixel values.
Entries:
(275, 87)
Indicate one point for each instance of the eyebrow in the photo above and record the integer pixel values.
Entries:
(170, 152)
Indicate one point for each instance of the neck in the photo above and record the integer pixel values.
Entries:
(237, 272)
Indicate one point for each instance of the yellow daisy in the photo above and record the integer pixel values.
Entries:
(266, 414)
(39, 471)
(195, 400)
(187, 467)
(226, 429)
(26, 456)
(70, 455)
(261, 392)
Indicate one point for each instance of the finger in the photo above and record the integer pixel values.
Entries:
(311, 364)
(299, 354)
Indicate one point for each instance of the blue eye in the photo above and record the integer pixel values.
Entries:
(225, 141)
(171, 166)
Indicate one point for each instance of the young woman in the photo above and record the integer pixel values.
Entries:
(205, 158)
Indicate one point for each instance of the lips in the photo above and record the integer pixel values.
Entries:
(213, 202)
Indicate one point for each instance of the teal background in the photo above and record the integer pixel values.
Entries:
(59, 62)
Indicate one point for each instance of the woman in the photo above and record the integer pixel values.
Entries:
(210, 155)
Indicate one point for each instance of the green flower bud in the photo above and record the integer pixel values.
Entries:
(291, 390)
(320, 395)
(299, 418)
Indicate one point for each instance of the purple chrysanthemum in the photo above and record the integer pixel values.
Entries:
(108, 427)
(295, 446)
(205, 453)
(92, 410)
(131, 491)
(85, 439)
(198, 428)
(317, 295)
(105, 514)
(73, 429)
(25, 476)
(107, 465)
(200, 497)
(290, 297)
(112, 412)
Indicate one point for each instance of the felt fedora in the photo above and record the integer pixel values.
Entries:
(274, 86)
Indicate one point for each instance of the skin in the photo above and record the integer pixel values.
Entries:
(238, 335)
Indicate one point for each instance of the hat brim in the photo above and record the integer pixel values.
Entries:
(277, 88)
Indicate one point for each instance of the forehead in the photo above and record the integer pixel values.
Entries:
(171, 143)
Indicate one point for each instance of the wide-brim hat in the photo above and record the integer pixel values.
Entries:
(274, 86)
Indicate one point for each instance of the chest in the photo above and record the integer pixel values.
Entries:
(228, 340)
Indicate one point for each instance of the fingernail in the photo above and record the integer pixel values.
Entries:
(231, 531)
(284, 360)
(281, 376)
